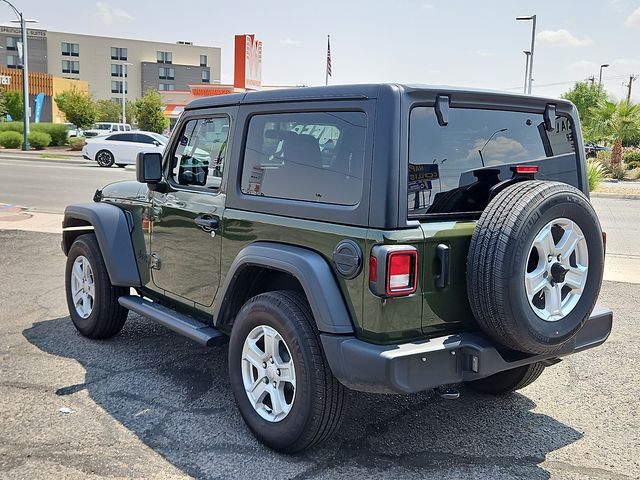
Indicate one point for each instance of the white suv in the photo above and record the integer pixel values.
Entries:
(103, 128)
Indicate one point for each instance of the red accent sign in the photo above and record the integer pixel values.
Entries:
(248, 63)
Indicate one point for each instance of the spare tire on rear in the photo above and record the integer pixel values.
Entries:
(535, 265)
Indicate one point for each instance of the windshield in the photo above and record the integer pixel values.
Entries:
(102, 126)
(452, 167)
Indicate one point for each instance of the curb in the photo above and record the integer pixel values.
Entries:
(620, 196)
(72, 160)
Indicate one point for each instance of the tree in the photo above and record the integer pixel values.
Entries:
(78, 108)
(585, 96)
(108, 111)
(616, 123)
(149, 114)
(13, 105)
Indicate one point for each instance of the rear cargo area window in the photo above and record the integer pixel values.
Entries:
(452, 168)
(310, 156)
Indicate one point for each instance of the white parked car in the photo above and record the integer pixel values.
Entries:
(122, 148)
(102, 128)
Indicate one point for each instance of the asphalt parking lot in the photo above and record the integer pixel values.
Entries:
(151, 404)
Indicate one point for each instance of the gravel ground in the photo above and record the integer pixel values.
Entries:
(151, 404)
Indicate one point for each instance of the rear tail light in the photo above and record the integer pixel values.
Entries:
(393, 270)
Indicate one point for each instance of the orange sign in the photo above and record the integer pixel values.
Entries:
(248, 63)
(209, 92)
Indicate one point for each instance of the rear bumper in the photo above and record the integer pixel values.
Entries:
(413, 367)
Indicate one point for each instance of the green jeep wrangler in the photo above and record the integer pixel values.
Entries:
(383, 238)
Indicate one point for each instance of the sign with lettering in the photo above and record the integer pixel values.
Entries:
(210, 92)
(248, 62)
(5, 80)
(428, 171)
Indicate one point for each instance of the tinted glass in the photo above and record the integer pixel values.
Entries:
(123, 137)
(198, 158)
(452, 167)
(312, 156)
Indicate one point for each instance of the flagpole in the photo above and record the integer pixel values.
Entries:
(326, 69)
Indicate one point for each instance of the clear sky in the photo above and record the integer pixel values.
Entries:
(456, 42)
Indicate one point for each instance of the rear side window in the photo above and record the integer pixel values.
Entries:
(453, 167)
(123, 137)
(309, 156)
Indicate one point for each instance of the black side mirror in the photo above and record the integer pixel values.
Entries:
(149, 167)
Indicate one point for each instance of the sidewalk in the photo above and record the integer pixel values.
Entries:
(623, 189)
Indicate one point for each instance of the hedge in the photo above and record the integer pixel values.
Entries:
(632, 157)
(57, 131)
(39, 140)
(10, 139)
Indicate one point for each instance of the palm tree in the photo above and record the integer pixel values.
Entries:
(616, 123)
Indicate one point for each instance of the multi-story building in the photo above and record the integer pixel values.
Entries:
(100, 61)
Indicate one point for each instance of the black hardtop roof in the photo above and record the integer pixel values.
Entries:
(359, 91)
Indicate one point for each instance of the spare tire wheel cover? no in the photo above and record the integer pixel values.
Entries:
(523, 278)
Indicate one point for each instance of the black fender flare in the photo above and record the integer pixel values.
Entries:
(113, 232)
(309, 268)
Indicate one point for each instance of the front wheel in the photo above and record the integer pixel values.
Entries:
(508, 381)
(279, 375)
(91, 298)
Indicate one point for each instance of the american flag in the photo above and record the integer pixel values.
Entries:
(329, 56)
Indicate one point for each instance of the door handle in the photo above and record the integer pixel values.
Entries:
(206, 222)
(442, 254)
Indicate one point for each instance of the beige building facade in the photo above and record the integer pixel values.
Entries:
(100, 61)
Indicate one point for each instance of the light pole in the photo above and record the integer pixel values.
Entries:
(533, 44)
(25, 74)
(527, 53)
(124, 91)
(604, 65)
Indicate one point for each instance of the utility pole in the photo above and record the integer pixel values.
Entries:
(592, 79)
(629, 85)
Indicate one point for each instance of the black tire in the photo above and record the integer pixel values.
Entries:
(105, 158)
(107, 317)
(498, 257)
(317, 408)
(508, 381)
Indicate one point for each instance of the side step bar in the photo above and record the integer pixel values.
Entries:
(178, 322)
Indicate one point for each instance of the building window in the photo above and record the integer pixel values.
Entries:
(165, 57)
(166, 86)
(13, 61)
(69, 66)
(203, 60)
(116, 86)
(12, 43)
(118, 53)
(206, 76)
(116, 70)
(70, 49)
(166, 73)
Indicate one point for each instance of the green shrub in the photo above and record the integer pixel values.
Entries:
(603, 155)
(39, 140)
(633, 156)
(10, 139)
(57, 132)
(11, 127)
(633, 164)
(76, 143)
(595, 174)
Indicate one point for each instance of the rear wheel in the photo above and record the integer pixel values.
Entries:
(283, 386)
(92, 300)
(508, 381)
(105, 158)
